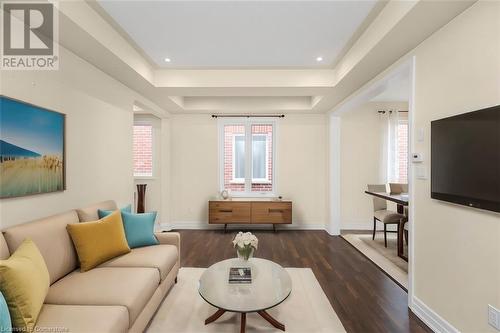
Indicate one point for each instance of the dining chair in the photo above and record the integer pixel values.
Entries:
(381, 213)
(406, 227)
(398, 188)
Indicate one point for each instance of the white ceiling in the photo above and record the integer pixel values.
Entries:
(240, 34)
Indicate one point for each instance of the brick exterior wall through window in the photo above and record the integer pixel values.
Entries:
(402, 158)
(143, 150)
(238, 185)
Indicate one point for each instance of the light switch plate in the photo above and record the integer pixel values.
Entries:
(420, 135)
(494, 317)
(421, 172)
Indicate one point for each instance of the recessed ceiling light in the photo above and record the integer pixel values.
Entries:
(319, 59)
(167, 60)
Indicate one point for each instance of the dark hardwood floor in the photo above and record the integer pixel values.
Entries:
(365, 299)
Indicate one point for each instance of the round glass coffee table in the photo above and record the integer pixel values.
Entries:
(271, 285)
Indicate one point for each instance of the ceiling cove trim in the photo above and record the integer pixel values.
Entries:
(395, 31)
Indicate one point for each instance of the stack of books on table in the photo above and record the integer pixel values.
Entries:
(240, 275)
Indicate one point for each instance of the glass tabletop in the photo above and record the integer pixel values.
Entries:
(271, 285)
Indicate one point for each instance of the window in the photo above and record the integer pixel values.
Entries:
(260, 158)
(238, 158)
(247, 148)
(143, 150)
(402, 151)
(395, 147)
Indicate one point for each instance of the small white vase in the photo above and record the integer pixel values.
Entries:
(245, 253)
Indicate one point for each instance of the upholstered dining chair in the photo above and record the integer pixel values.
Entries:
(382, 214)
(398, 188)
(405, 232)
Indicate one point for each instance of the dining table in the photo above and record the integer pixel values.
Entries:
(401, 200)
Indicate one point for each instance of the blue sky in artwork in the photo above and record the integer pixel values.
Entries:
(31, 128)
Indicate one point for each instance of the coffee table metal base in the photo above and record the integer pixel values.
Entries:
(262, 313)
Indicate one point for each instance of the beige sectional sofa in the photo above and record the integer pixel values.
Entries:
(121, 295)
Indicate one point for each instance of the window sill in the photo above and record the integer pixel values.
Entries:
(254, 182)
(144, 178)
(261, 182)
(242, 195)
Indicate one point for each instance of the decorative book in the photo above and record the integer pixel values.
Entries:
(240, 275)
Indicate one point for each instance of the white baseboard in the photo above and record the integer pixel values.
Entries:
(355, 226)
(206, 226)
(435, 322)
(361, 225)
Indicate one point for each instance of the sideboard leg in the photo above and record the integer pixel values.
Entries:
(274, 227)
(225, 228)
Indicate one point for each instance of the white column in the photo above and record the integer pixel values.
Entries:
(333, 226)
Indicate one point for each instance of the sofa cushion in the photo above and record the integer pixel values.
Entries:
(89, 213)
(50, 236)
(139, 228)
(161, 257)
(24, 283)
(82, 318)
(102, 213)
(128, 287)
(4, 249)
(99, 241)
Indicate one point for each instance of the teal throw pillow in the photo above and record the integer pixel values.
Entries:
(5, 322)
(103, 213)
(139, 229)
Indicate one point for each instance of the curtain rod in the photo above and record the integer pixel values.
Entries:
(248, 116)
(390, 111)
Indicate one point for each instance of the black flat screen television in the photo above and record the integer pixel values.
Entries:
(465, 159)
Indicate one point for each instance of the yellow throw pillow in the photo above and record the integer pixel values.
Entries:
(98, 241)
(24, 282)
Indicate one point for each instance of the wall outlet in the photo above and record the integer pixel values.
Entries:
(494, 317)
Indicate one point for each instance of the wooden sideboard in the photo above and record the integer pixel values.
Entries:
(249, 212)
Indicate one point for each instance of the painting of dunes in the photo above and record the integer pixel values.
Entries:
(32, 149)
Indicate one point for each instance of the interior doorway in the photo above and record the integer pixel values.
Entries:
(371, 140)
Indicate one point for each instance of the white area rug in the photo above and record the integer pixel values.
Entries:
(306, 310)
(385, 258)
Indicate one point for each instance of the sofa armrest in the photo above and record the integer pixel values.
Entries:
(171, 238)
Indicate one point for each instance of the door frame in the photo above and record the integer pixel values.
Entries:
(362, 95)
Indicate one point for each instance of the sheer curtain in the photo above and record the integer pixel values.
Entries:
(389, 169)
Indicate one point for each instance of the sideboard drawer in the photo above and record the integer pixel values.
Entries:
(229, 212)
(272, 212)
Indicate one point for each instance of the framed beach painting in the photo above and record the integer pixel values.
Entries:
(32, 149)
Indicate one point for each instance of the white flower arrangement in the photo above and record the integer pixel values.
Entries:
(246, 239)
(245, 243)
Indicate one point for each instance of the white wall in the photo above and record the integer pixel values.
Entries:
(361, 160)
(361, 153)
(300, 170)
(302, 167)
(98, 135)
(457, 249)
(194, 173)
